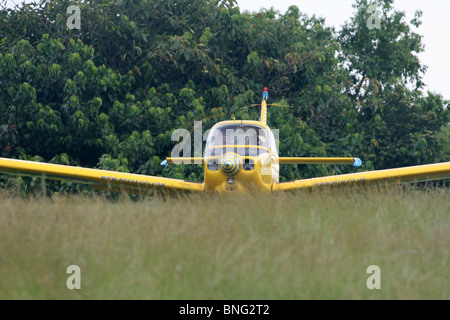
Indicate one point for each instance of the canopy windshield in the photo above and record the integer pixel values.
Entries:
(243, 139)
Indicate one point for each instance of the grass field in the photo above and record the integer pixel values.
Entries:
(291, 246)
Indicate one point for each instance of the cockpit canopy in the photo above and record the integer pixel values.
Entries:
(242, 138)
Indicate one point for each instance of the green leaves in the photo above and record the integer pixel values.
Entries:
(384, 54)
(111, 95)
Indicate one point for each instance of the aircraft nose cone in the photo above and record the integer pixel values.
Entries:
(231, 164)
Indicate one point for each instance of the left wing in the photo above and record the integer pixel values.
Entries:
(98, 179)
(427, 172)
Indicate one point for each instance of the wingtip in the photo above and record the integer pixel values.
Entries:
(357, 162)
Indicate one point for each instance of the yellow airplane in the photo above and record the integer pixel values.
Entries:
(240, 156)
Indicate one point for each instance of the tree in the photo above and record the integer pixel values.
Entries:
(398, 124)
(110, 95)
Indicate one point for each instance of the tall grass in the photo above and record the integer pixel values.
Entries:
(290, 246)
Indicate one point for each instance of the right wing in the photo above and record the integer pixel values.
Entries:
(98, 179)
(436, 171)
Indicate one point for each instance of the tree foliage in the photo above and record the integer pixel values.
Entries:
(110, 95)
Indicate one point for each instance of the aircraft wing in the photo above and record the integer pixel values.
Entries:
(98, 179)
(427, 172)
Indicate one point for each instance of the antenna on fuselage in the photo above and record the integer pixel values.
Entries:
(265, 97)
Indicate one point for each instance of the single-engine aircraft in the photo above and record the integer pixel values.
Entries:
(240, 156)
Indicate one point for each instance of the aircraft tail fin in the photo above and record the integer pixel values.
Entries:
(265, 97)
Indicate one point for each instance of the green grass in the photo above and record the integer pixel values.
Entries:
(290, 246)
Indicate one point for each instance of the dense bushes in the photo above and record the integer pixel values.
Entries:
(110, 94)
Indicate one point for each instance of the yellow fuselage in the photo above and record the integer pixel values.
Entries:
(217, 181)
(239, 172)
